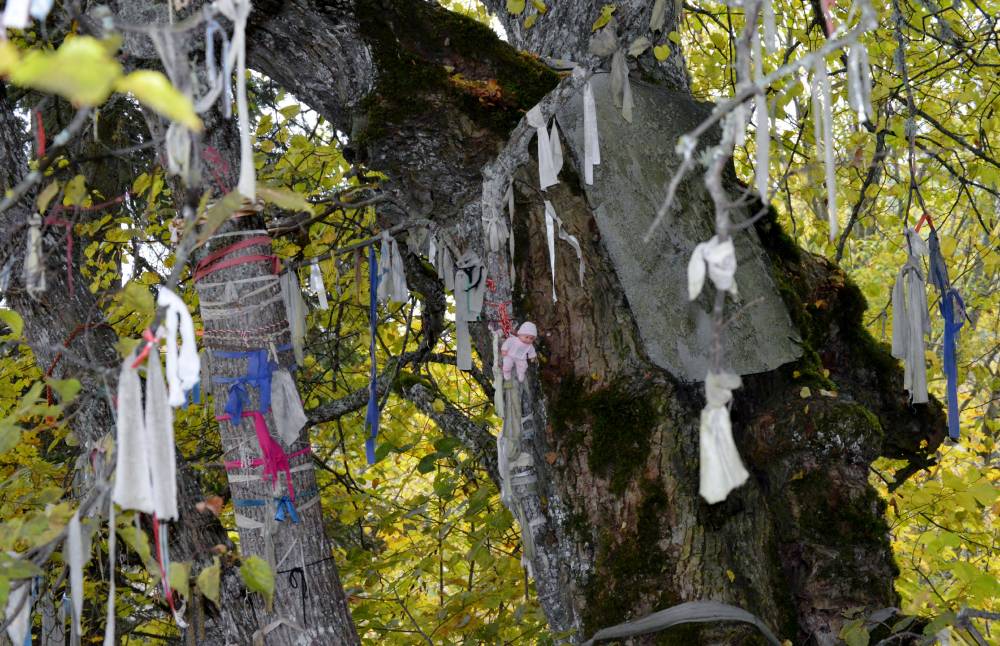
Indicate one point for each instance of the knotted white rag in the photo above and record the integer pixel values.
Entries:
(719, 258)
(591, 143)
(295, 312)
(621, 89)
(910, 320)
(721, 467)
(547, 174)
(392, 274)
(316, 284)
(237, 11)
(160, 431)
(183, 368)
(133, 488)
(550, 239)
(286, 406)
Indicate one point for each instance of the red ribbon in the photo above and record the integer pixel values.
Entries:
(274, 459)
(217, 261)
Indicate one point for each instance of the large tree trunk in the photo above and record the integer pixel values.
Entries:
(614, 511)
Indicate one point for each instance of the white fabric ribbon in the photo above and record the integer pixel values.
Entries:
(74, 558)
(15, 16)
(621, 89)
(721, 469)
(237, 11)
(770, 31)
(34, 267)
(910, 319)
(317, 285)
(160, 438)
(556, 147)
(509, 196)
(719, 260)
(497, 378)
(286, 405)
(40, 9)
(432, 250)
(446, 268)
(295, 312)
(550, 238)
(547, 175)
(392, 273)
(859, 81)
(19, 601)
(591, 142)
(184, 367)
(823, 135)
(133, 488)
(109, 625)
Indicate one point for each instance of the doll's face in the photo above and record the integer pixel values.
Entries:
(526, 338)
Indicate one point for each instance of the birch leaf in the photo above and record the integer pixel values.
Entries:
(154, 90)
(208, 581)
(258, 577)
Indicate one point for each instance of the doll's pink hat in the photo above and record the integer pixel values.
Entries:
(528, 328)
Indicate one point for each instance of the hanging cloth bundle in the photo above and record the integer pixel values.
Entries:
(392, 274)
(910, 320)
(621, 89)
(719, 260)
(721, 468)
(159, 425)
(470, 288)
(372, 413)
(286, 406)
(34, 266)
(237, 11)
(316, 284)
(953, 312)
(591, 143)
(547, 173)
(295, 312)
(183, 367)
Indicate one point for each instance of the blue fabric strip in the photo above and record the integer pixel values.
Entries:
(259, 371)
(372, 414)
(249, 502)
(953, 312)
(286, 509)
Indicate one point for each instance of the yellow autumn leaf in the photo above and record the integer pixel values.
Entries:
(153, 89)
(9, 57)
(805, 393)
(82, 70)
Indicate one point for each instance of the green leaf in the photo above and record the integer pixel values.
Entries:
(139, 542)
(284, 199)
(515, 7)
(674, 37)
(153, 89)
(208, 581)
(218, 213)
(13, 567)
(258, 577)
(43, 199)
(67, 389)
(82, 70)
(179, 578)
(137, 299)
(529, 22)
(12, 320)
(76, 191)
(10, 435)
(605, 17)
(661, 52)
(540, 6)
(426, 464)
(854, 632)
(290, 111)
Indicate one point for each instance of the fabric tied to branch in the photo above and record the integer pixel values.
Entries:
(497, 376)
(859, 81)
(391, 273)
(160, 428)
(316, 284)
(550, 241)
(34, 266)
(183, 366)
(470, 288)
(621, 89)
(74, 558)
(910, 320)
(591, 142)
(372, 413)
(716, 258)
(547, 174)
(15, 14)
(237, 11)
(133, 488)
(721, 468)
(953, 312)
(286, 509)
(273, 458)
(295, 312)
(260, 373)
(286, 406)
(822, 103)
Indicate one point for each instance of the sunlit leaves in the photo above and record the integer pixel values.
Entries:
(82, 70)
(258, 577)
(153, 89)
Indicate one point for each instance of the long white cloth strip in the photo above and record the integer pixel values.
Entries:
(286, 406)
(763, 139)
(719, 260)
(497, 376)
(295, 312)
(133, 489)
(565, 236)
(40, 9)
(432, 250)
(910, 319)
(160, 430)
(15, 16)
(546, 171)
(316, 284)
(550, 239)
(74, 558)
(510, 214)
(19, 601)
(770, 31)
(823, 133)
(446, 267)
(34, 267)
(209, 313)
(859, 83)
(721, 469)
(237, 11)
(591, 142)
(109, 624)
(621, 89)
(557, 151)
(183, 367)
(392, 285)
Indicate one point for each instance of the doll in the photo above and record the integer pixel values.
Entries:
(516, 350)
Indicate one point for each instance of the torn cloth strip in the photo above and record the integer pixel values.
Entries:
(591, 142)
(286, 406)
(75, 558)
(547, 175)
(273, 458)
(316, 284)
(295, 312)
(717, 259)
(159, 424)
(392, 274)
(133, 488)
(621, 89)
(721, 469)
(470, 289)
(953, 312)
(260, 371)
(910, 320)
(183, 365)
(372, 413)
(237, 11)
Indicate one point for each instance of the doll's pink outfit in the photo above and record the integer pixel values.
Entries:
(516, 352)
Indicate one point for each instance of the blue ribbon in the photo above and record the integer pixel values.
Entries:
(286, 507)
(260, 367)
(953, 312)
(249, 502)
(372, 414)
